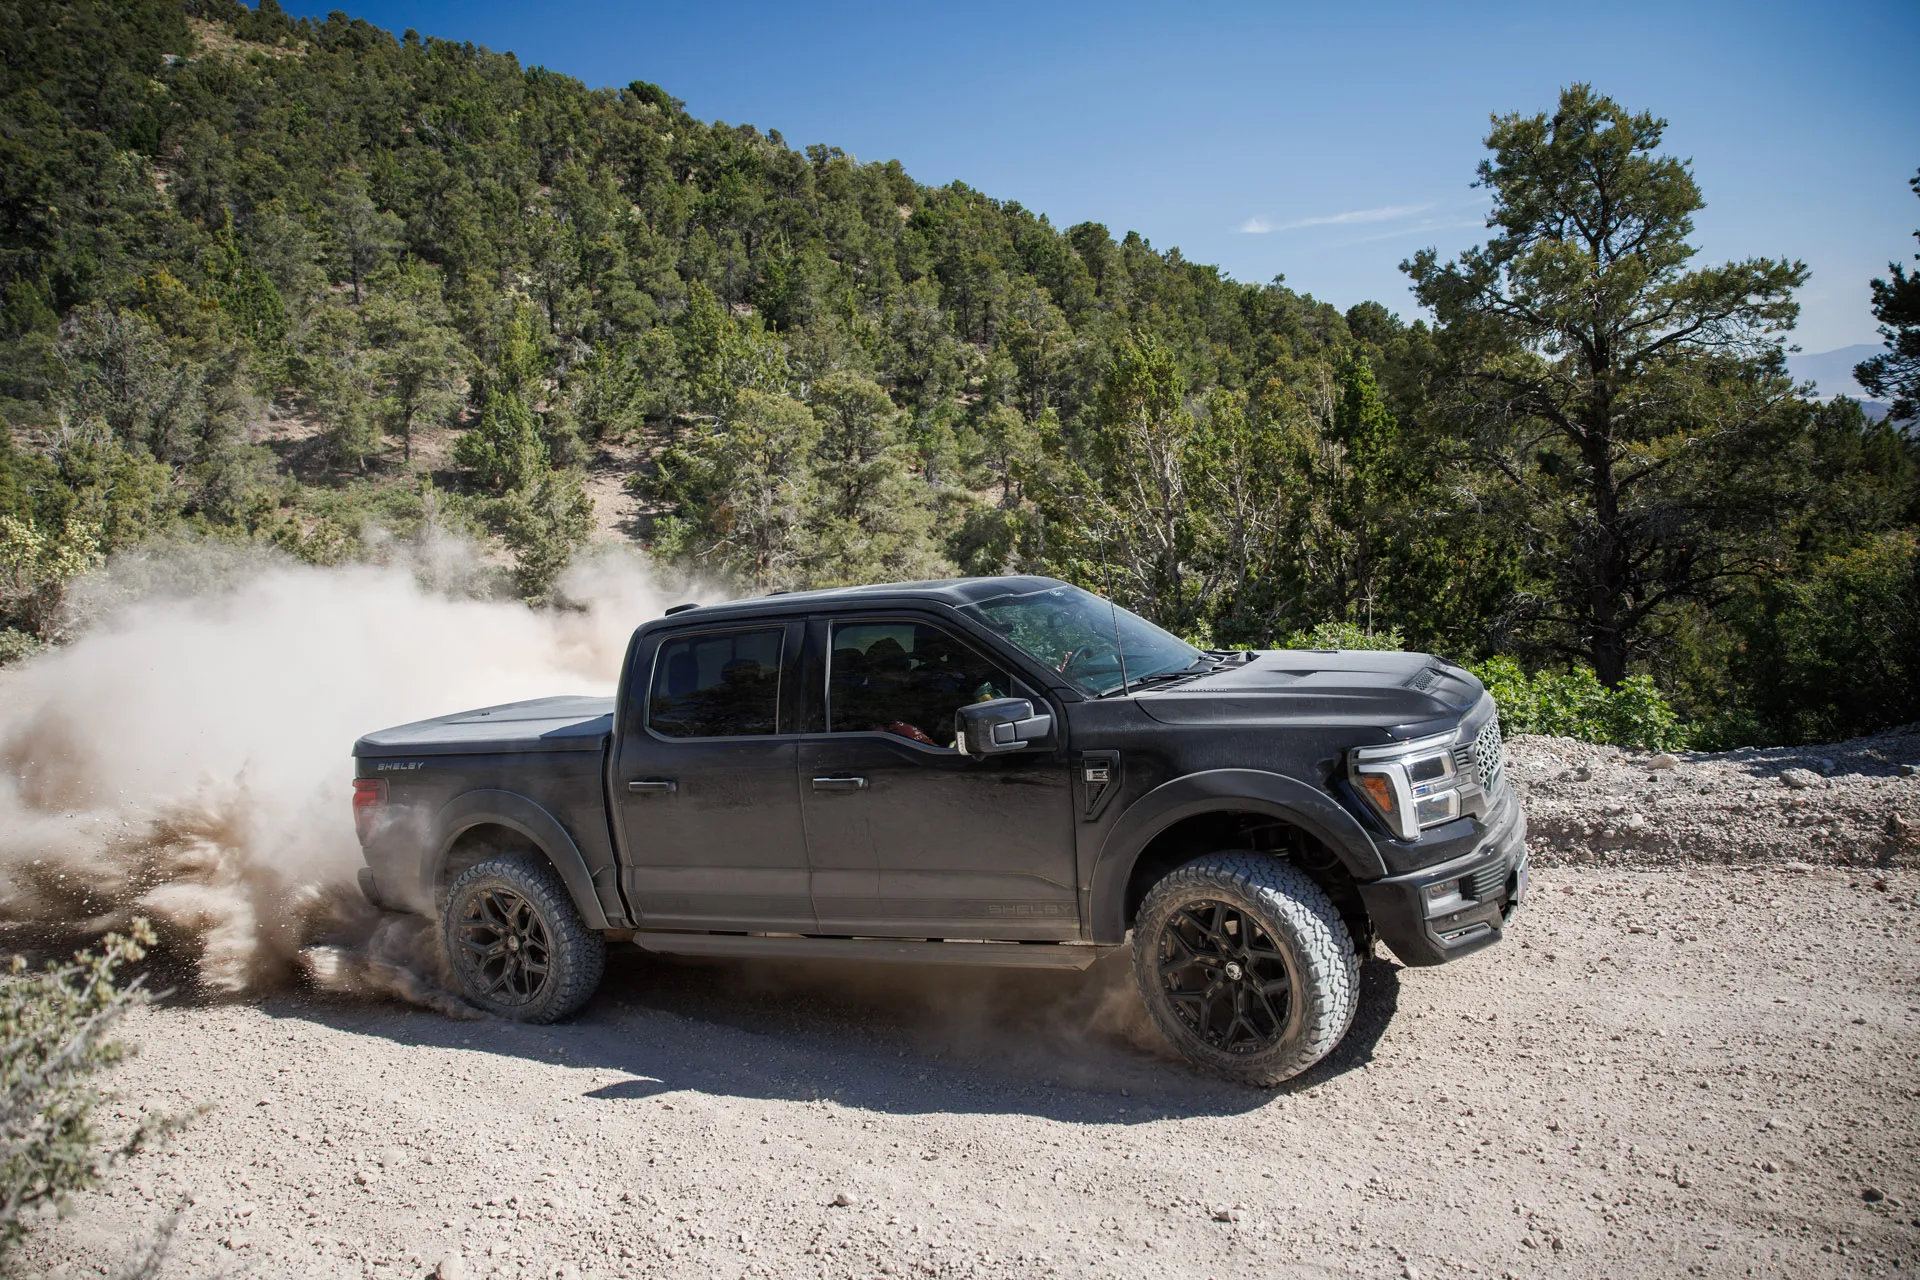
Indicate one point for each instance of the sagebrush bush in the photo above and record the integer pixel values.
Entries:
(56, 1032)
(16, 645)
(1574, 704)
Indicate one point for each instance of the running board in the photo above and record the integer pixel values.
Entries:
(1009, 955)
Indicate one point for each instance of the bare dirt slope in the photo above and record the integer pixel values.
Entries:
(1664, 1072)
(1851, 803)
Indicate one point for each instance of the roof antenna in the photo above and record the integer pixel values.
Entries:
(1113, 610)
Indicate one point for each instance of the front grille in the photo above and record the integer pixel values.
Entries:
(1488, 759)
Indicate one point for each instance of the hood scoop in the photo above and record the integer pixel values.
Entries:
(1298, 686)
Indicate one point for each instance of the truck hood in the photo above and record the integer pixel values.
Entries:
(543, 724)
(1404, 694)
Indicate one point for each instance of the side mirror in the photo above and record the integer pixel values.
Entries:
(1001, 725)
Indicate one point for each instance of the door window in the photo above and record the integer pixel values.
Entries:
(904, 678)
(717, 685)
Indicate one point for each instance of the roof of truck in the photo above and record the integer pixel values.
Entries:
(948, 591)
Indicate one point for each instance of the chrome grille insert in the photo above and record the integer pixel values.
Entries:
(1488, 758)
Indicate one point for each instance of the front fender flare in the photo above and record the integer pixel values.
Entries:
(1220, 791)
(516, 813)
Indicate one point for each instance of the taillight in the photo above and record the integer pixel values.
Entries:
(369, 795)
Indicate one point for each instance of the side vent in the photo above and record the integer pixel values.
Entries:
(1099, 778)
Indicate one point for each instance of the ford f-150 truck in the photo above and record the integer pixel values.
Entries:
(986, 771)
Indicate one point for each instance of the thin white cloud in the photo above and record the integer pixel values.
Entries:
(1258, 226)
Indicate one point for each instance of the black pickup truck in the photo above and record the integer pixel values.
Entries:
(988, 771)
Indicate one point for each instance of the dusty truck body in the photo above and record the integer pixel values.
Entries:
(988, 771)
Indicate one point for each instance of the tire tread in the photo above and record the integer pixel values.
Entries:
(1331, 977)
(579, 953)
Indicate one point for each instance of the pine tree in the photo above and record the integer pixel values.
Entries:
(1628, 405)
(873, 519)
(1895, 373)
(742, 492)
(504, 450)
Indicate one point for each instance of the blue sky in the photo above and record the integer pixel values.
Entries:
(1325, 142)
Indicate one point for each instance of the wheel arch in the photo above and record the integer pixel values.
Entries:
(471, 813)
(1183, 817)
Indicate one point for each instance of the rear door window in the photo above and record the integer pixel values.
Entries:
(904, 678)
(717, 685)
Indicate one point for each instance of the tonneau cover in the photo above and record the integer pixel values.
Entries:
(542, 724)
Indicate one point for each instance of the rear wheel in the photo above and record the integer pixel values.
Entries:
(1246, 966)
(516, 946)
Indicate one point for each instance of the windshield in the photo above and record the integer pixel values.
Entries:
(1072, 632)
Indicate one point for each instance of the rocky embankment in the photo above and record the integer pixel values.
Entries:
(1850, 804)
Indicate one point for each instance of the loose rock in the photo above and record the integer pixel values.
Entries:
(1802, 779)
(694, 1180)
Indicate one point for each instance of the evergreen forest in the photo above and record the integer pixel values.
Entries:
(310, 284)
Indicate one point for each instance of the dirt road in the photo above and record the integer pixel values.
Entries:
(1665, 1072)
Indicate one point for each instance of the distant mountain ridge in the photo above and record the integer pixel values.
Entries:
(1831, 372)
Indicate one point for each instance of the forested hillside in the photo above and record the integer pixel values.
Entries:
(311, 284)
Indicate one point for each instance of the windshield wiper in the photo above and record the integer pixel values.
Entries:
(1193, 670)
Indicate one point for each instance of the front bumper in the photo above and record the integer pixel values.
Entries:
(1493, 882)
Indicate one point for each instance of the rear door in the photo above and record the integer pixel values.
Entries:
(906, 836)
(705, 787)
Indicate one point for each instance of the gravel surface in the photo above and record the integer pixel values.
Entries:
(1700, 1071)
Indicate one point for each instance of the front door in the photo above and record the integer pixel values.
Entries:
(704, 785)
(906, 836)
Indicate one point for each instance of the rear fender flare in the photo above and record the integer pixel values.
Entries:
(517, 813)
(1285, 799)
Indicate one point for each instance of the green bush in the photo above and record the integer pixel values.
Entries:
(1574, 704)
(56, 1030)
(16, 645)
(35, 567)
(1346, 635)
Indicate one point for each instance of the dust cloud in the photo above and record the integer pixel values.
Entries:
(187, 757)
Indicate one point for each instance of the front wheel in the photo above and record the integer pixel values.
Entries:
(1246, 966)
(517, 947)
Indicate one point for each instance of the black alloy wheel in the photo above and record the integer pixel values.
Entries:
(516, 945)
(1225, 977)
(1246, 966)
(503, 942)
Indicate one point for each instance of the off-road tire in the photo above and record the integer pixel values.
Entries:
(1308, 938)
(575, 956)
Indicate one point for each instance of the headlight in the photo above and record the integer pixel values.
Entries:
(1409, 784)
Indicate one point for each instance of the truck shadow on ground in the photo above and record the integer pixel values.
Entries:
(901, 1039)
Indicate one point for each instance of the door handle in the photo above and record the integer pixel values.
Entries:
(839, 784)
(653, 787)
